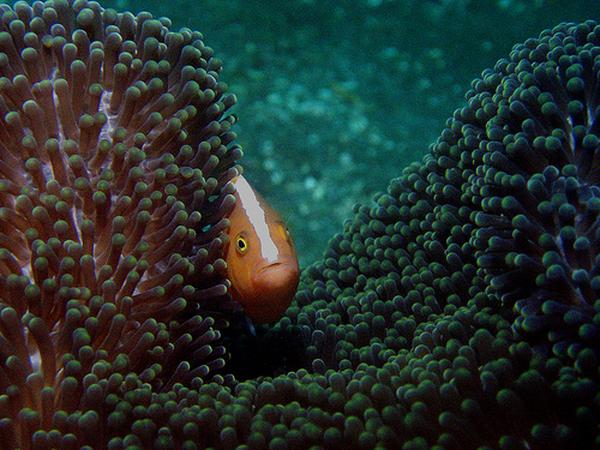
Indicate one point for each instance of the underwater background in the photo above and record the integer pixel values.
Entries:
(336, 97)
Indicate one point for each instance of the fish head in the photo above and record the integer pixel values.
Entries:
(261, 259)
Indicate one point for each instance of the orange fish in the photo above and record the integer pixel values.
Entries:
(261, 259)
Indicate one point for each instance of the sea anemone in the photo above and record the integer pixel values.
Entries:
(116, 152)
(462, 307)
(458, 310)
(538, 179)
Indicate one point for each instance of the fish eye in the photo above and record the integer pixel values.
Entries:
(241, 245)
(285, 231)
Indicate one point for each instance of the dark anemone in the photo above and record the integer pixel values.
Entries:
(461, 309)
(538, 175)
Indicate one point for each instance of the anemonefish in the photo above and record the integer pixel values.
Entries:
(261, 259)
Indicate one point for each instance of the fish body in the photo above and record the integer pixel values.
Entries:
(261, 258)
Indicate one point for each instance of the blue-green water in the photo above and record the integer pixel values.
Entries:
(336, 97)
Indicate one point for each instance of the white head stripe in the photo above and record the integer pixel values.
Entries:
(258, 219)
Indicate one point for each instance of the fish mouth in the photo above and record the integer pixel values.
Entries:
(273, 289)
(270, 266)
